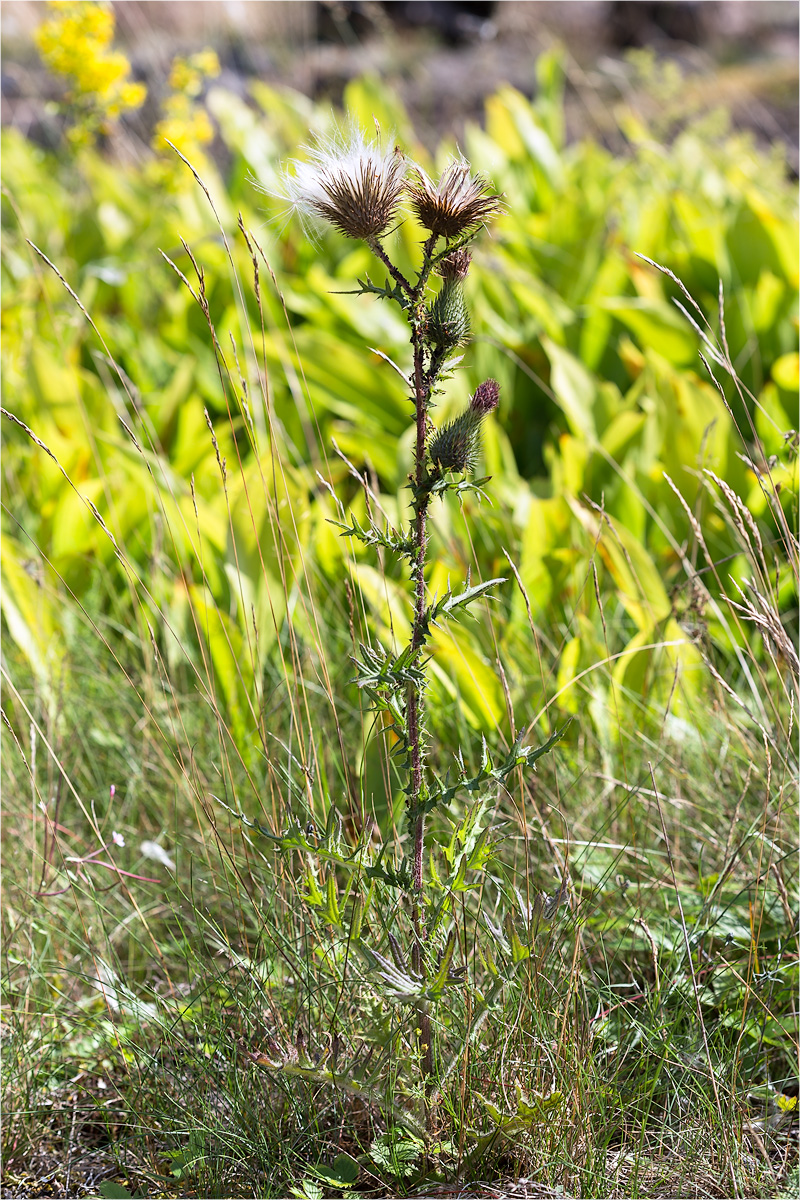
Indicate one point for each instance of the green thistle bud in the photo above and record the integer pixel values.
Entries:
(455, 446)
(448, 320)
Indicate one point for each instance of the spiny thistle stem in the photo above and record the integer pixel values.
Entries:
(359, 188)
(418, 572)
(421, 390)
(395, 272)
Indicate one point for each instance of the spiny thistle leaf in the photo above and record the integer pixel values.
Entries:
(443, 975)
(526, 756)
(379, 671)
(450, 603)
(518, 756)
(297, 838)
(400, 878)
(387, 538)
(459, 881)
(313, 896)
(366, 288)
(399, 984)
(519, 952)
(530, 1110)
(330, 909)
(397, 953)
(402, 984)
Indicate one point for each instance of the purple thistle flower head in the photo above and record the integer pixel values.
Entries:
(454, 267)
(486, 398)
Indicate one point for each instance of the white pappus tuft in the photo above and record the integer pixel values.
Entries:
(349, 181)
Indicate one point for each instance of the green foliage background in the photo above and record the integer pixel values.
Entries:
(179, 527)
(602, 390)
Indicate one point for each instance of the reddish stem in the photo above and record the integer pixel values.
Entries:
(421, 390)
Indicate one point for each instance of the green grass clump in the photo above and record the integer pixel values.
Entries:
(190, 769)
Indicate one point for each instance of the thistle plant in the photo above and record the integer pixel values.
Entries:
(361, 189)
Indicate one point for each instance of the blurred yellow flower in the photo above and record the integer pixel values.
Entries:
(187, 74)
(184, 124)
(76, 43)
(188, 132)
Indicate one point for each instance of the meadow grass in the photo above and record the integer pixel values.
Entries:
(186, 1022)
(189, 767)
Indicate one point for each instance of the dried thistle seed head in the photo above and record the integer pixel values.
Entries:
(486, 398)
(448, 320)
(454, 267)
(350, 182)
(456, 203)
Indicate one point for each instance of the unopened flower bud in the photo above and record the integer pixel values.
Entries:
(452, 447)
(448, 320)
(486, 398)
(454, 267)
(455, 446)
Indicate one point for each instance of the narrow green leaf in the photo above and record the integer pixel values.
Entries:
(459, 881)
(331, 911)
(440, 979)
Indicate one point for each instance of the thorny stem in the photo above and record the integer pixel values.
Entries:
(413, 697)
(429, 261)
(422, 386)
(418, 573)
(396, 274)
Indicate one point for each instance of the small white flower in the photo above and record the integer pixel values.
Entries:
(117, 839)
(350, 182)
(158, 854)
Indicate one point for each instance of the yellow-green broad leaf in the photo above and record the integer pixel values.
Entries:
(661, 663)
(29, 611)
(638, 580)
(229, 679)
(569, 696)
(574, 390)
